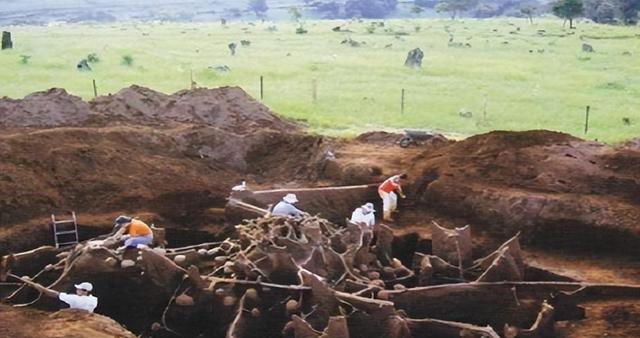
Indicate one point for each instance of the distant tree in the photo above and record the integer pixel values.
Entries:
(370, 8)
(417, 10)
(331, 9)
(568, 10)
(527, 9)
(601, 11)
(454, 7)
(487, 9)
(528, 12)
(629, 10)
(295, 13)
(425, 3)
(258, 6)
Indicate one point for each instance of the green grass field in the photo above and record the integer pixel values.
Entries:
(359, 88)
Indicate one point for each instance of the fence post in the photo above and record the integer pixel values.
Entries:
(95, 89)
(402, 102)
(261, 87)
(586, 120)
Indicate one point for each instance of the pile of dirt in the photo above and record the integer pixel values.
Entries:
(52, 108)
(556, 188)
(227, 108)
(30, 323)
(174, 156)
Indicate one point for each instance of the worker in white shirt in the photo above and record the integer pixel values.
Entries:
(365, 218)
(82, 300)
(286, 207)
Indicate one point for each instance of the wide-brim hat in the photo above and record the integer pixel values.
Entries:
(290, 198)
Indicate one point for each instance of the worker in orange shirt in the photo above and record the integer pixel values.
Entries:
(387, 190)
(135, 232)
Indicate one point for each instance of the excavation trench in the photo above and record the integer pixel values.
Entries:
(243, 287)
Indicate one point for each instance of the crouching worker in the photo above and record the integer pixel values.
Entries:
(82, 300)
(389, 198)
(365, 218)
(135, 232)
(286, 207)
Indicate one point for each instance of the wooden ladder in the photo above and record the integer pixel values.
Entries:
(65, 232)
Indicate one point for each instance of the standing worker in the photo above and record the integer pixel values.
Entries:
(136, 232)
(387, 190)
(286, 207)
(82, 300)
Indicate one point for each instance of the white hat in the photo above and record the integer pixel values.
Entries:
(368, 207)
(290, 198)
(85, 286)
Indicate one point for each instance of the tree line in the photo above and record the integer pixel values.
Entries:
(601, 11)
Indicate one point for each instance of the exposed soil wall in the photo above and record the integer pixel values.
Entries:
(539, 182)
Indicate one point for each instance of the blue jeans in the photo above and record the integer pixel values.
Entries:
(133, 242)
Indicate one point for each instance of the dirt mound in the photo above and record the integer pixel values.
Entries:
(174, 156)
(548, 184)
(62, 324)
(54, 107)
(228, 108)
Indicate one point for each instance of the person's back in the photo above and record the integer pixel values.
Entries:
(390, 184)
(357, 216)
(88, 302)
(285, 209)
(136, 233)
(139, 228)
(360, 217)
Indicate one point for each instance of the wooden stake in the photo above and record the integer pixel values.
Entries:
(586, 120)
(95, 89)
(261, 87)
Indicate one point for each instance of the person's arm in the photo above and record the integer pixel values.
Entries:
(400, 191)
(295, 211)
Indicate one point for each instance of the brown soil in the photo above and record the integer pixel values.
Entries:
(122, 154)
(62, 324)
(53, 108)
(172, 159)
(559, 190)
(606, 319)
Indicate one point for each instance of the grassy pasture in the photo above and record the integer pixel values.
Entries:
(512, 75)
